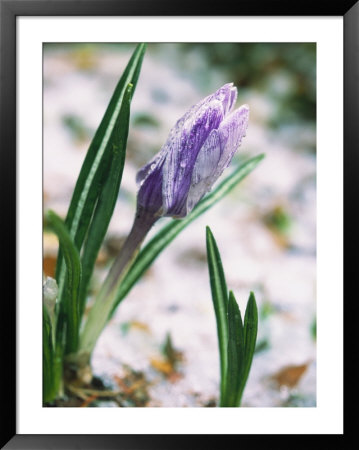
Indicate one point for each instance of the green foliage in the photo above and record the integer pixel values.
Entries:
(86, 223)
(220, 302)
(235, 354)
(68, 318)
(47, 358)
(250, 337)
(107, 197)
(236, 340)
(169, 351)
(98, 183)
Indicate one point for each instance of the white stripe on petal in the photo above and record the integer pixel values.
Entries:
(216, 154)
(203, 175)
(231, 132)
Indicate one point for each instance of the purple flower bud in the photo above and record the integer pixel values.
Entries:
(199, 147)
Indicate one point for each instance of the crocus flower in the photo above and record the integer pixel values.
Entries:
(199, 147)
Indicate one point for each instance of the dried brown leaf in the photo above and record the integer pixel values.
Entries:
(290, 375)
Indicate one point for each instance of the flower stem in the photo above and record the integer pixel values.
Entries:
(103, 305)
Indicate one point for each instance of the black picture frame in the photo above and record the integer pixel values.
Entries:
(9, 11)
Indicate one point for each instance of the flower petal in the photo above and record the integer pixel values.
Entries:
(182, 154)
(204, 170)
(227, 95)
(216, 154)
(149, 177)
(230, 98)
(198, 148)
(143, 173)
(231, 132)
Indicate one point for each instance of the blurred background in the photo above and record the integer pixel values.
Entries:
(161, 346)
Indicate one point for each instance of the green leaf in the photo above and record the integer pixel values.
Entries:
(94, 170)
(47, 357)
(107, 198)
(68, 317)
(166, 235)
(220, 302)
(235, 352)
(51, 361)
(250, 338)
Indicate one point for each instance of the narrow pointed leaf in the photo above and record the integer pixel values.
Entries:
(250, 338)
(235, 352)
(47, 357)
(220, 302)
(166, 235)
(107, 198)
(95, 167)
(69, 311)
